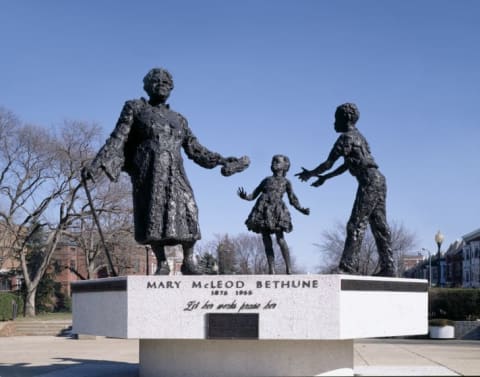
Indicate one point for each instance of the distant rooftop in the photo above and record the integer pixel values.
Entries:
(472, 236)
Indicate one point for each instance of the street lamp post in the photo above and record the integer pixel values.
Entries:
(438, 239)
(429, 267)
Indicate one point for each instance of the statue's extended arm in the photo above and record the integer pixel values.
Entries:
(111, 158)
(322, 178)
(243, 194)
(292, 198)
(334, 155)
(208, 159)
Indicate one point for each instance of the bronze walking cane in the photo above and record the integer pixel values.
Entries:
(95, 218)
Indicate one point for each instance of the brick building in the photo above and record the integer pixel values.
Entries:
(70, 263)
(459, 266)
(409, 261)
(10, 276)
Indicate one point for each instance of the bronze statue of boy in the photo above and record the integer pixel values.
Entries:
(369, 206)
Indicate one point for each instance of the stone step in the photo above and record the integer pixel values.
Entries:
(33, 327)
(41, 324)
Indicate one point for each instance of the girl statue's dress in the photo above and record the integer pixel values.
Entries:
(270, 214)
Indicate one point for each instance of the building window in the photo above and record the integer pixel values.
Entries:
(5, 284)
(73, 265)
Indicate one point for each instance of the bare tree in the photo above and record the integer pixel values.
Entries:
(113, 205)
(333, 241)
(9, 123)
(227, 261)
(243, 254)
(403, 242)
(40, 185)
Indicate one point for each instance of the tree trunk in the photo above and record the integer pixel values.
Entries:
(29, 310)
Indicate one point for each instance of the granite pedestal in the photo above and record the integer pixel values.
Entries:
(250, 325)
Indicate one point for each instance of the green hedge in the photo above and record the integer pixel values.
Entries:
(440, 322)
(457, 304)
(6, 306)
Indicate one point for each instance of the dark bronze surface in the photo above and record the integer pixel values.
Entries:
(99, 285)
(391, 286)
(369, 207)
(270, 215)
(147, 144)
(232, 325)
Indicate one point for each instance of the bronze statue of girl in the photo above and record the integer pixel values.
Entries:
(270, 215)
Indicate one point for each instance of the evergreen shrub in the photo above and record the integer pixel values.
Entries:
(6, 305)
(457, 304)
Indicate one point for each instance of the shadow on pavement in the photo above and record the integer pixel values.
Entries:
(69, 367)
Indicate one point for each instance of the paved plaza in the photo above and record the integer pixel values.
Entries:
(419, 357)
(48, 356)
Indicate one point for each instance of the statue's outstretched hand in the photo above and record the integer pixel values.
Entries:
(242, 193)
(304, 175)
(305, 211)
(232, 165)
(320, 180)
(228, 160)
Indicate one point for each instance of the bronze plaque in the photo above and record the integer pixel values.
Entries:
(99, 285)
(381, 285)
(232, 325)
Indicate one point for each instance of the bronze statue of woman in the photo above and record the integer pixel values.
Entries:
(146, 143)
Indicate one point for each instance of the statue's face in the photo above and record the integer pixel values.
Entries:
(279, 165)
(341, 123)
(159, 86)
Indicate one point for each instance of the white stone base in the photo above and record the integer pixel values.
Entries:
(242, 358)
(290, 307)
(303, 325)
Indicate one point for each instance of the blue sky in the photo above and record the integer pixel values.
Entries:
(264, 77)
